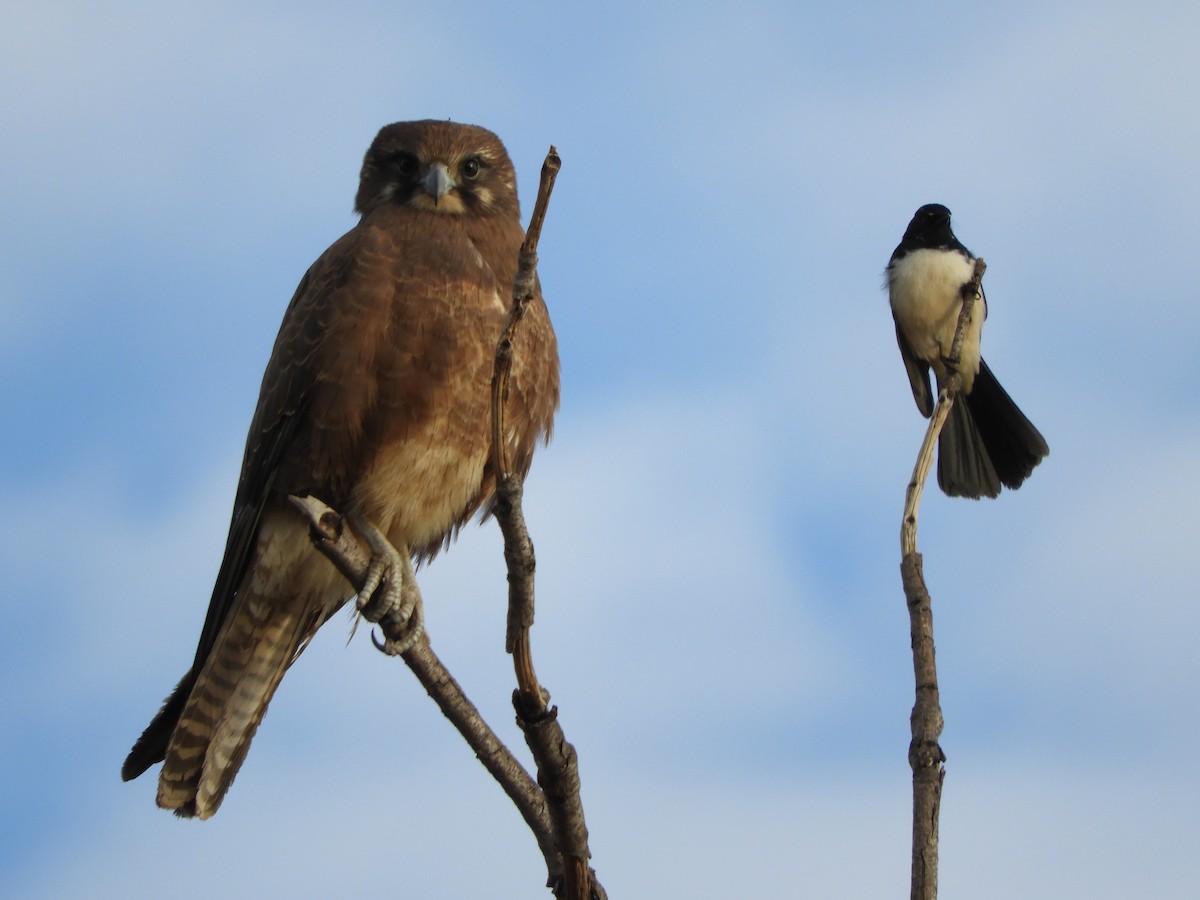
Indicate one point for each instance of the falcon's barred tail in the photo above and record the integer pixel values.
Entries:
(987, 442)
(259, 641)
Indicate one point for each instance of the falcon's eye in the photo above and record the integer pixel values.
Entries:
(472, 167)
(405, 164)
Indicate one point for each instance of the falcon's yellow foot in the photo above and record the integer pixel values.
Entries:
(389, 594)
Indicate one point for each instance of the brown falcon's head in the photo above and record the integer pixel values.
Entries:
(439, 166)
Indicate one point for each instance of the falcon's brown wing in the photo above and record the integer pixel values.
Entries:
(281, 404)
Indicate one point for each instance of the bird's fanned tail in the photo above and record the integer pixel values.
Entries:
(1013, 443)
(987, 442)
(964, 466)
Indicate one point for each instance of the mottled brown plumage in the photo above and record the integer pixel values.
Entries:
(375, 400)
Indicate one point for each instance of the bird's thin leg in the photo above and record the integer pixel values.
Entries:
(386, 593)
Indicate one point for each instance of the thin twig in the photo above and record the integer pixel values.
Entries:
(972, 292)
(925, 754)
(522, 294)
(557, 763)
(351, 557)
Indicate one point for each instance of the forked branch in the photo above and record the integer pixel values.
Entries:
(351, 556)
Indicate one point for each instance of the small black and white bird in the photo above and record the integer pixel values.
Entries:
(987, 441)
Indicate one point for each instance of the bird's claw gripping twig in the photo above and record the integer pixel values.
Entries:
(389, 595)
(402, 627)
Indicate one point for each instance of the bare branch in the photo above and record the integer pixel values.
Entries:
(558, 768)
(972, 292)
(925, 755)
(351, 556)
(522, 294)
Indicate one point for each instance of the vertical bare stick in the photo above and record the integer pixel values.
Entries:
(925, 755)
(522, 294)
(518, 548)
(558, 766)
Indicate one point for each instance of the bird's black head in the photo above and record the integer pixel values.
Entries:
(438, 166)
(930, 228)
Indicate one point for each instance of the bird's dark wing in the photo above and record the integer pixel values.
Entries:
(918, 375)
(282, 403)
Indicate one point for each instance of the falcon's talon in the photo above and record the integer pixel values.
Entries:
(410, 628)
(389, 594)
(397, 647)
(381, 646)
(383, 591)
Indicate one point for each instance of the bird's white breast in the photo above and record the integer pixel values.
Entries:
(924, 287)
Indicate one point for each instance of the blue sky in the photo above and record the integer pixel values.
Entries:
(720, 616)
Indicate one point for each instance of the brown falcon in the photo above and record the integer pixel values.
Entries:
(376, 400)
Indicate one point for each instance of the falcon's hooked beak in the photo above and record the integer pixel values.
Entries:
(437, 182)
